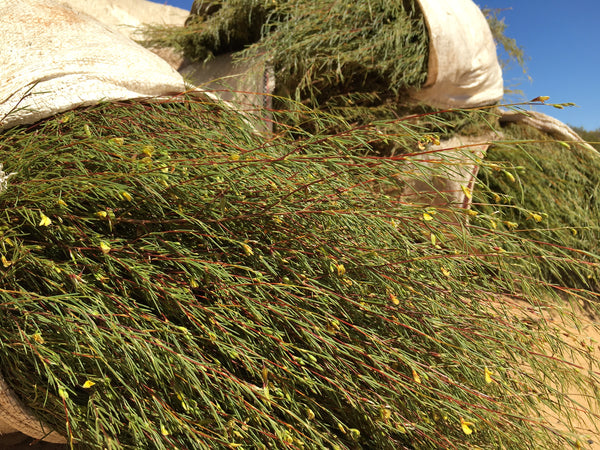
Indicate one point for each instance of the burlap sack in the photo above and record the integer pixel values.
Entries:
(463, 69)
(55, 58)
(128, 16)
(547, 124)
(14, 416)
(444, 175)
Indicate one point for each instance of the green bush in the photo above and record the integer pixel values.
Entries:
(173, 279)
(548, 192)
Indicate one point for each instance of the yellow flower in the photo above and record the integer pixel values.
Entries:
(427, 217)
(126, 195)
(446, 272)
(45, 220)
(416, 377)
(148, 150)
(536, 217)
(541, 98)
(466, 191)
(509, 175)
(466, 426)
(62, 393)
(5, 262)
(117, 140)
(333, 326)
(394, 299)
(510, 225)
(341, 270)
(488, 375)
(88, 384)
(62, 203)
(310, 415)
(385, 414)
(102, 214)
(105, 247)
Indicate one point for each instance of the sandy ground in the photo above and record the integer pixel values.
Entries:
(580, 330)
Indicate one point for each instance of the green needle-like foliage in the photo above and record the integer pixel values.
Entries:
(355, 60)
(550, 192)
(173, 279)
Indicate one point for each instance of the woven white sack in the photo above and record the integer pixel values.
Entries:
(14, 416)
(444, 175)
(463, 69)
(547, 124)
(128, 16)
(54, 59)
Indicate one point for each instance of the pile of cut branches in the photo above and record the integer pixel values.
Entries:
(173, 279)
(548, 190)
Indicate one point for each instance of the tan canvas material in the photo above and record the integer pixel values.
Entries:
(55, 58)
(444, 175)
(463, 68)
(14, 416)
(546, 124)
(128, 16)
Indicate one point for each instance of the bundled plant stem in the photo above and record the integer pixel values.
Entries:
(354, 60)
(173, 279)
(548, 190)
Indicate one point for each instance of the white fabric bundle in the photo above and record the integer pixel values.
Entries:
(463, 69)
(14, 416)
(546, 124)
(54, 59)
(128, 16)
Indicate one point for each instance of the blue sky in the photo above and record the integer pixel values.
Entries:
(562, 41)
